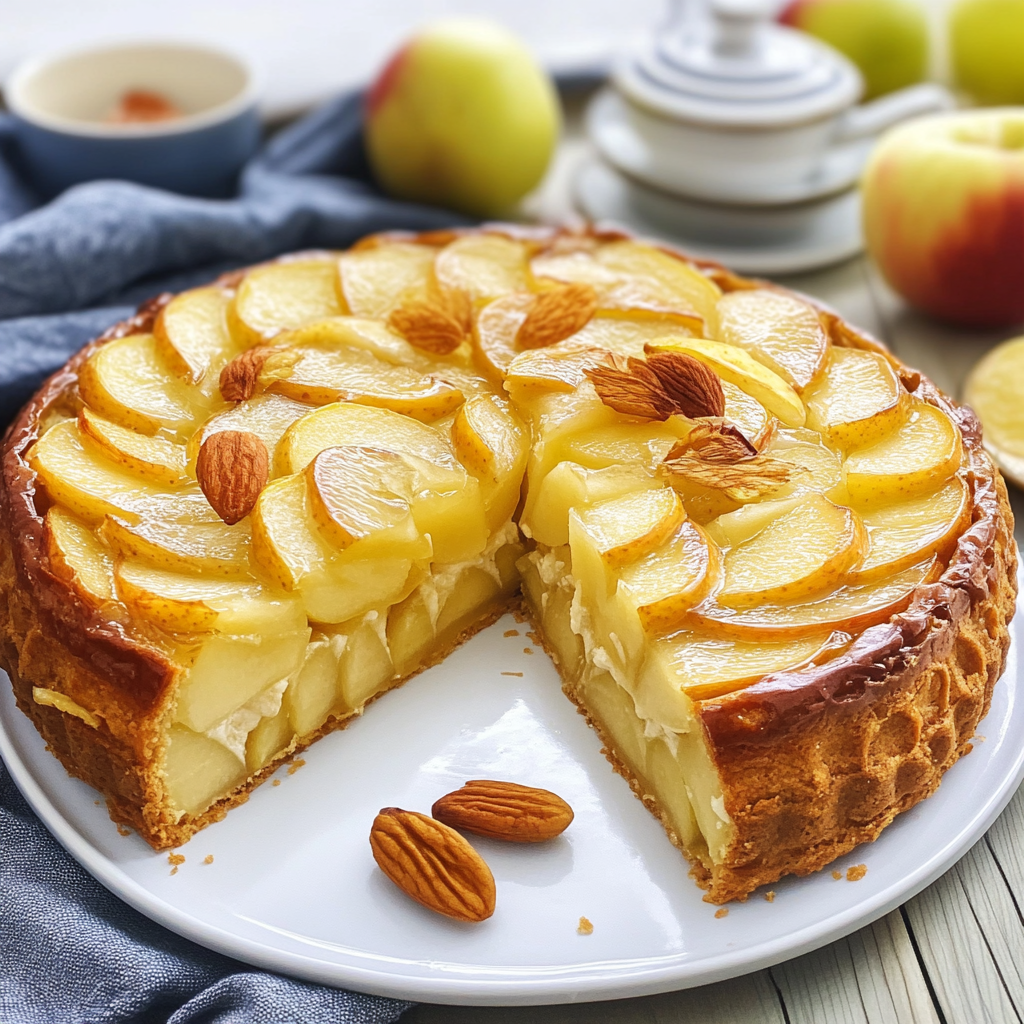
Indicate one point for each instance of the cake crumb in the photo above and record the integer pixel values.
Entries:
(208, 859)
(175, 860)
(511, 632)
(856, 873)
(527, 650)
(520, 674)
(770, 895)
(96, 802)
(123, 830)
(295, 766)
(535, 637)
(276, 782)
(722, 912)
(837, 875)
(519, 616)
(584, 927)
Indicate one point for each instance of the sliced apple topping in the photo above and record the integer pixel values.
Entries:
(703, 667)
(321, 376)
(153, 457)
(562, 368)
(572, 486)
(738, 367)
(267, 416)
(192, 334)
(483, 265)
(749, 415)
(493, 445)
(496, 330)
(126, 381)
(641, 445)
(746, 522)
(805, 551)
(374, 281)
(903, 534)
(360, 499)
(916, 459)
(667, 582)
(190, 604)
(778, 330)
(626, 528)
(851, 608)
(859, 401)
(289, 547)
(348, 332)
(213, 549)
(77, 557)
(91, 486)
(278, 296)
(639, 299)
(816, 468)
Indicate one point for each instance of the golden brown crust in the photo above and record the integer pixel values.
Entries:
(879, 724)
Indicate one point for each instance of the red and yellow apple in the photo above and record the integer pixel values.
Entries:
(886, 39)
(944, 214)
(462, 116)
(986, 44)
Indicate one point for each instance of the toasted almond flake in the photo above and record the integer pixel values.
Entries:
(434, 324)
(557, 314)
(665, 384)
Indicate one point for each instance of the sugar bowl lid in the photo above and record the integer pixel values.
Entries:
(738, 69)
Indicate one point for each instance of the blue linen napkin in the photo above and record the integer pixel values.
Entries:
(69, 950)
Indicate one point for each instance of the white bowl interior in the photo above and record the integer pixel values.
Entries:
(78, 90)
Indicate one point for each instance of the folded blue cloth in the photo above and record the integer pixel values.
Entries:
(69, 950)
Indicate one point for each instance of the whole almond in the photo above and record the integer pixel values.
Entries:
(238, 380)
(232, 469)
(505, 810)
(437, 324)
(556, 315)
(433, 864)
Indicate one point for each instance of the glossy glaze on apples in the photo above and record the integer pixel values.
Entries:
(778, 672)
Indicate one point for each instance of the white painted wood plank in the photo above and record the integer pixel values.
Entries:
(822, 986)
(748, 1000)
(1004, 840)
(956, 956)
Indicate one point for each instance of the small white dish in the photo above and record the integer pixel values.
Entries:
(293, 887)
(749, 239)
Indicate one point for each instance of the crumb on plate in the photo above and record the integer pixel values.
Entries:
(175, 860)
(856, 873)
(527, 650)
(511, 632)
(584, 927)
(208, 859)
(837, 875)
(770, 895)
(276, 782)
(295, 766)
(512, 674)
(722, 912)
(123, 830)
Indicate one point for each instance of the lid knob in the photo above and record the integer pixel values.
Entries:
(738, 25)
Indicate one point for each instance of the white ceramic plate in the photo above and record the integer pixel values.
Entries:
(293, 887)
(748, 239)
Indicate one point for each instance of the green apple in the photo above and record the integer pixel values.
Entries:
(986, 39)
(462, 116)
(886, 39)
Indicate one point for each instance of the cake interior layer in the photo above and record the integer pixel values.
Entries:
(300, 688)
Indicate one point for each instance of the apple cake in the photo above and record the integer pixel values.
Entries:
(773, 565)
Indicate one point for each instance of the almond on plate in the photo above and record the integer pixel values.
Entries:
(505, 810)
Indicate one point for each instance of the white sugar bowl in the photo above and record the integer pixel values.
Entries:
(734, 108)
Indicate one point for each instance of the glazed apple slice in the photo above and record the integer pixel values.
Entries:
(819, 468)
(642, 300)
(493, 445)
(484, 266)
(76, 556)
(349, 332)
(267, 416)
(667, 582)
(91, 486)
(280, 296)
(743, 524)
(496, 330)
(126, 381)
(735, 365)
(859, 401)
(372, 282)
(559, 369)
(153, 457)
(753, 419)
(625, 528)
(807, 550)
(778, 330)
(572, 486)
(704, 667)
(190, 604)
(290, 549)
(903, 534)
(914, 460)
(213, 549)
(322, 376)
(851, 608)
(192, 334)
(360, 498)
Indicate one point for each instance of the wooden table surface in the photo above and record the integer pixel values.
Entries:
(954, 954)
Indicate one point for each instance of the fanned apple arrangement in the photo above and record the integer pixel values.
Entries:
(297, 487)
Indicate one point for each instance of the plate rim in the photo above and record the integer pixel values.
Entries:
(554, 985)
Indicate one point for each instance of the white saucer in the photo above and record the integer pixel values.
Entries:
(293, 887)
(747, 239)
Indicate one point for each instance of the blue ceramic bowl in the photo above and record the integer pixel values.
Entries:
(60, 105)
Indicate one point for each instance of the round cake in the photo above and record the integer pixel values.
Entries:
(773, 565)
